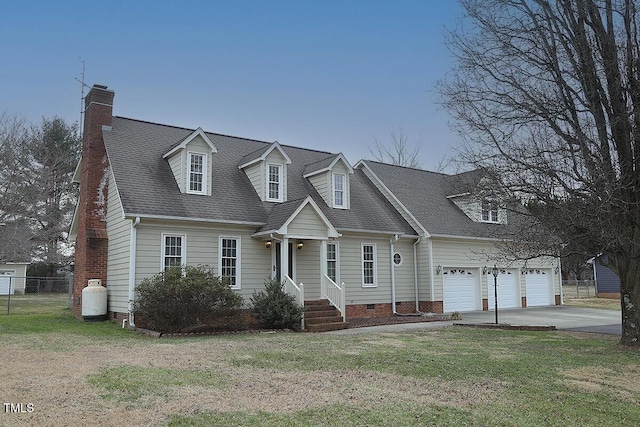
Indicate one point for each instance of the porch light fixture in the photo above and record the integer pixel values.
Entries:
(300, 245)
(484, 270)
(438, 269)
(267, 244)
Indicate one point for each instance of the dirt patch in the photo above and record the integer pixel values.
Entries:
(56, 383)
(598, 378)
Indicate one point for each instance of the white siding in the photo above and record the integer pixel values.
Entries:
(472, 207)
(175, 162)
(256, 175)
(202, 249)
(307, 223)
(308, 267)
(322, 184)
(18, 279)
(405, 283)
(476, 254)
(119, 234)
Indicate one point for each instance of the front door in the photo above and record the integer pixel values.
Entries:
(276, 258)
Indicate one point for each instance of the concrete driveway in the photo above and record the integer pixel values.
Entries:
(562, 317)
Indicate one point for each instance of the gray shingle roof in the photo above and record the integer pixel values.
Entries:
(425, 193)
(147, 186)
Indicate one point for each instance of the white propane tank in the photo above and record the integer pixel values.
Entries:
(94, 301)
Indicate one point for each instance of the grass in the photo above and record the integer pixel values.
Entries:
(445, 377)
(42, 303)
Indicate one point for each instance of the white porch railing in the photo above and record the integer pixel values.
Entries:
(297, 291)
(334, 293)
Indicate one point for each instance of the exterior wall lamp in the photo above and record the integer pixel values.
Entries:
(300, 245)
(439, 269)
(267, 244)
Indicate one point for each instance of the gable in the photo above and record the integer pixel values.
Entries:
(307, 223)
(178, 158)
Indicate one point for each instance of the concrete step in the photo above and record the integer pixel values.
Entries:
(327, 312)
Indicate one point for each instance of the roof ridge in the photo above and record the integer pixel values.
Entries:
(226, 135)
(408, 167)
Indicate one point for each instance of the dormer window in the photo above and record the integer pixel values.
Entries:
(338, 190)
(489, 210)
(197, 177)
(274, 182)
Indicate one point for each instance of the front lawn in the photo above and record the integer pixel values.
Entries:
(77, 373)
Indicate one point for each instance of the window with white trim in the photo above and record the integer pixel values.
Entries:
(489, 210)
(173, 250)
(369, 265)
(332, 261)
(274, 182)
(229, 260)
(197, 173)
(339, 184)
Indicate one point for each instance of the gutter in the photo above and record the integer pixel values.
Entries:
(132, 270)
(415, 271)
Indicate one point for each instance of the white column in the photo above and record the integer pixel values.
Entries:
(284, 261)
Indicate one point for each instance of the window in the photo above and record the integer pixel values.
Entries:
(489, 210)
(173, 250)
(369, 273)
(197, 173)
(397, 259)
(274, 183)
(338, 191)
(332, 261)
(229, 262)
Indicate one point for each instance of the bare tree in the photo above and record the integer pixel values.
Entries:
(13, 166)
(546, 95)
(397, 150)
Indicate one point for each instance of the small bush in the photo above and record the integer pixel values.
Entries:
(276, 309)
(184, 299)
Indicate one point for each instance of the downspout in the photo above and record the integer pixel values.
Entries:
(132, 270)
(393, 240)
(415, 271)
(393, 280)
(431, 278)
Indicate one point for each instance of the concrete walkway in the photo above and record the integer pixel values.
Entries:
(562, 317)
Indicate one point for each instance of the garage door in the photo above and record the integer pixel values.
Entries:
(6, 281)
(538, 287)
(507, 290)
(460, 290)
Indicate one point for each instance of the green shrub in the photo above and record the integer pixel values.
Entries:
(183, 299)
(274, 308)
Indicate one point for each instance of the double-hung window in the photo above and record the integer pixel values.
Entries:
(369, 265)
(339, 181)
(274, 183)
(197, 173)
(229, 260)
(173, 250)
(489, 210)
(332, 261)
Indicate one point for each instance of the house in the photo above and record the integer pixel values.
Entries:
(374, 239)
(607, 281)
(14, 257)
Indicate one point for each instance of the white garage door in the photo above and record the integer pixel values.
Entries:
(507, 290)
(460, 290)
(538, 287)
(6, 282)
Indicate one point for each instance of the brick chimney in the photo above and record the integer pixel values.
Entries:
(91, 240)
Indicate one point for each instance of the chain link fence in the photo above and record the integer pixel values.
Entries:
(579, 289)
(33, 295)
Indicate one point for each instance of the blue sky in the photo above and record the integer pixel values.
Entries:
(328, 75)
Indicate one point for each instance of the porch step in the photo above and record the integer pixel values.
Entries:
(321, 316)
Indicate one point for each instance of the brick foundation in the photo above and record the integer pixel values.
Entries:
(379, 310)
(91, 239)
(431, 307)
(523, 302)
(485, 304)
(558, 300)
